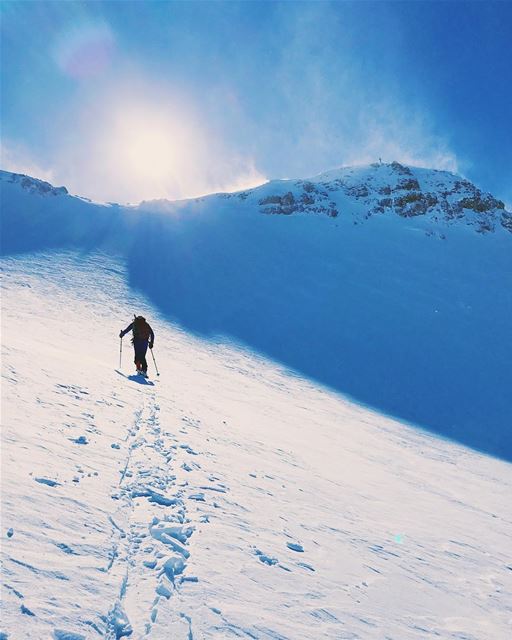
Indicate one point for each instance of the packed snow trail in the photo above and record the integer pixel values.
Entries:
(229, 498)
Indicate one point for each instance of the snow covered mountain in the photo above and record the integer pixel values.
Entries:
(357, 192)
(362, 192)
(389, 283)
(239, 494)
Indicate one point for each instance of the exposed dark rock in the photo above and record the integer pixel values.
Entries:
(464, 185)
(414, 204)
(411, 184)
(399, 168)
(37, 186)
(306, 203)
(484, 227)
(285, 205)
(307, 199)
(506, 221)
(332, 212)
(448, 199)
(481, 203)
(309, 187)
(270, 200)
(334, 185)
(358, 191)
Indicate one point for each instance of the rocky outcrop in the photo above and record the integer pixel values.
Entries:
(506, 221)
(481, 203)
(33, 185)
(414, 204)
(409, 184)
(401, 169)
(389, 189)
(308, 198)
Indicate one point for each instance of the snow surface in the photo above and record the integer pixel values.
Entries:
(409, 314)
(227, 498)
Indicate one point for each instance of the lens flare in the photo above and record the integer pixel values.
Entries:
(84, 50)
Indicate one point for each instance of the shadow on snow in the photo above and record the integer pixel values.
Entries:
(414, 326)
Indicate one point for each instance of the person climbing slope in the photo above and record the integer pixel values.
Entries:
(143, 337)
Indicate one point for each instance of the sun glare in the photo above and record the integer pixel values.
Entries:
(159, 147)
(150, 148)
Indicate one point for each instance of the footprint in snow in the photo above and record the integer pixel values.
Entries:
(188, 449)
(157, 498)
(265, 558)
(172, 567)
(189, 579)
(118, 623)
(48, 482)
(25, 610)
(198, 497)
(191, 422)
(67, 549)
(150, 564)
(58, 634)
(218, 489)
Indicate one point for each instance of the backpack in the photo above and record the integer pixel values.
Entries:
(141, 329)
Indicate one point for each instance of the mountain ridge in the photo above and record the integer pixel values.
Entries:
(405, 314)
(437, 196)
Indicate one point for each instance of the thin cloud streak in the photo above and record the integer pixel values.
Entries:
(127, 136)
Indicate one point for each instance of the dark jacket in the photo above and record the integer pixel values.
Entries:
(141, 333)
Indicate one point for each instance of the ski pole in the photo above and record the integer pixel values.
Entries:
(120, 351)
(154, 362)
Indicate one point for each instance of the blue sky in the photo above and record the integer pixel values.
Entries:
(130, 100)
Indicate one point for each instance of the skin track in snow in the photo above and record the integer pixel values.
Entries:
(234, 498)
(387, 283)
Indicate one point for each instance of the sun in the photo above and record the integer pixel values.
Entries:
(149, 144)
(150, 149)
(154, 148)
(159, 146)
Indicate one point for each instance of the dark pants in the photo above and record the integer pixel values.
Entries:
(140, 346)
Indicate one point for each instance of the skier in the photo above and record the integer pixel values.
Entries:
(143, 337)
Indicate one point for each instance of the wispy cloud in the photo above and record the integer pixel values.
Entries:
(392, 133)
(327, 97)
(19, 159)
(345, 99)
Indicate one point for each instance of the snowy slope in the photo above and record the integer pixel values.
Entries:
(436, 199)
(230, 498)
(405, 308)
